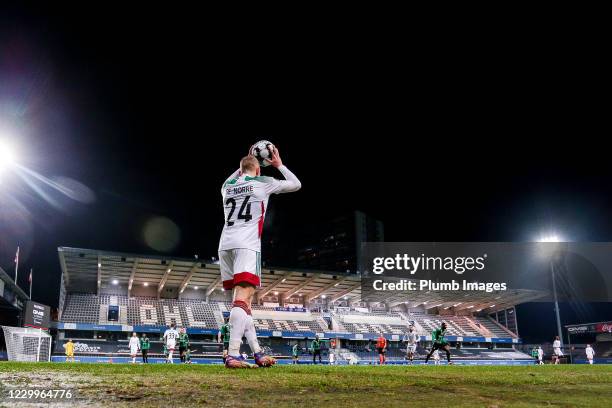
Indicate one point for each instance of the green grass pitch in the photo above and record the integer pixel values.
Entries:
(316, 386)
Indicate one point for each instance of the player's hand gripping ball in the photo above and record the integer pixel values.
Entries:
(263, 150)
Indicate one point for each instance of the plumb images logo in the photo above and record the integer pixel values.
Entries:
(411, 264)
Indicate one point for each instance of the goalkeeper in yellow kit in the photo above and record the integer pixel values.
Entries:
(69, 350)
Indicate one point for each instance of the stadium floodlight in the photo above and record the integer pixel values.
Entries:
(196, 287)
(550, 238)
(7, 155)
(146, 284)
(548, 251)
(275, 293)
(115, 282)
(323, 296)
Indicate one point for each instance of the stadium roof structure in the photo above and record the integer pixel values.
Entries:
(86, 270)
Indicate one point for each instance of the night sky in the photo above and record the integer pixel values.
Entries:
(144, 114)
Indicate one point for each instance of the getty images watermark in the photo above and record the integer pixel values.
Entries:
(582, 270)
(413, 264)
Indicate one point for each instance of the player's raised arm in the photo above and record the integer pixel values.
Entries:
(291, 182)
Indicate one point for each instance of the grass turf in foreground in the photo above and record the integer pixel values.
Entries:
(181, 385)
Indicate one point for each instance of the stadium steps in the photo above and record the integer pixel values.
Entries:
(502, 327)
(495, 329)
(123, 315)
(469, 323)
(479, 328)
(219, 318)
(337, 326)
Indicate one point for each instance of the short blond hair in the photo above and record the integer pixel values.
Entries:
(248, 163)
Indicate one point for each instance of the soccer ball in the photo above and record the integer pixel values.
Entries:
(262, 150)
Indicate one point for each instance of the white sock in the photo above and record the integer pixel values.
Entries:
(251, 335)
(170, 357)
(238, 323)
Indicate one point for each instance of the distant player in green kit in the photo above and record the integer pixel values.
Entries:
(534, 354)
(315, 347)
(183, 342)
(188, 356)
(144, 347)
(224, 335)
(439, 343)
(165, 351)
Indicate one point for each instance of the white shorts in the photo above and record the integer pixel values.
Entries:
(133, 350)
(558, 352)
(412, 348)
(240, 265)
(170, 345)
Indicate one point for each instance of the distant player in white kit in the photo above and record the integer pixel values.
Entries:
(170, 336)
(557, 353)
(540, 355)
(436, 357)
(245, 200)
(134, 347)
(412, 339)
(590, 353)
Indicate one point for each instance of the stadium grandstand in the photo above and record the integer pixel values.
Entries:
(13, 302)
(105, 296)
(12, 299)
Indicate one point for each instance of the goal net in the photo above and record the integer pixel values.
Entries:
(27, 344)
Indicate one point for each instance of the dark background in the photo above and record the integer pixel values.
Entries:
(443, 139)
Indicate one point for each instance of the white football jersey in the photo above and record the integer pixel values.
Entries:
(411, 338)
(171, 335)
(556, 344)
(134, 342)
(589, 352)
(245, 200)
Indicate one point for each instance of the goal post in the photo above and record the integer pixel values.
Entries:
(27, 344)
